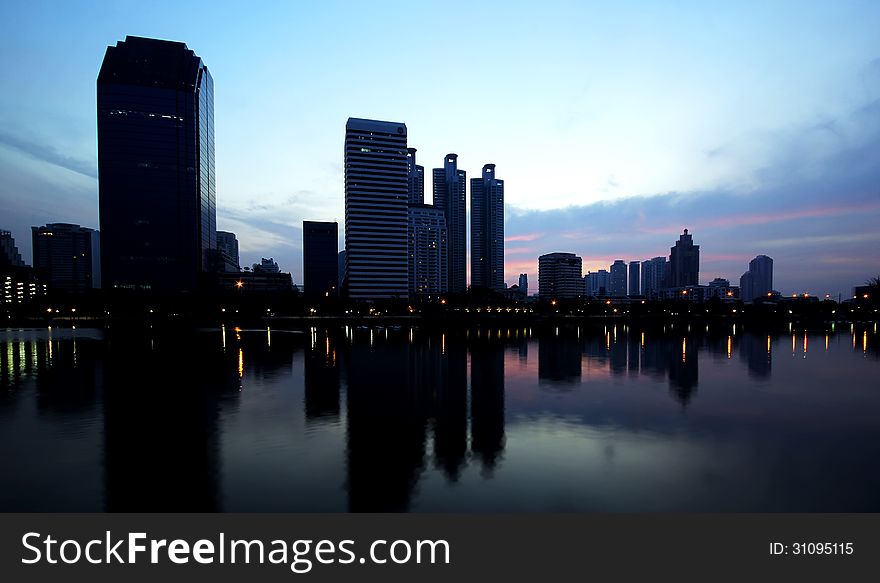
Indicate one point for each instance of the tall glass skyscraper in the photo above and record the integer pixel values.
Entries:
(450, 196)
(376, 202)
(156, 179)
(487, 230)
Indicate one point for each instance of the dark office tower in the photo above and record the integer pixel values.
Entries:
(684, 262)
(450, 185)
(320, 259)
(559, 276)
(155, 166)
(487, 230)
(227, 246)
(415, 178)
(375, 209)
(618, 278)
(340, 265)
(524, 283)
(635, 278)
(9, 255)
(428, 246)
(67, 257)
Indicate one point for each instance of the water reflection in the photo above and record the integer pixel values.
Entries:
(388, 419)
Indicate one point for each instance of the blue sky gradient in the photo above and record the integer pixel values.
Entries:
(754, 124)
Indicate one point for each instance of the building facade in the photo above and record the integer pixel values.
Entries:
(156, 177)
(653, 275)
(415, 177)
(597, 284)
(9, 254)
(450, 196)
(487, 230)
(618, 278)
(559, 276)
(67, 257)
(376, 208)
(684, 262)
(428, 250)
(635, 278)
(320, 259)
(227, 248)
(524, 284)
(757, 282)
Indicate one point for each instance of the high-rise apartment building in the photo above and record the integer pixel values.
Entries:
(618, 278)
(67, 257)
(635, 278)
(9, 255)
(428, 253)
(450, 196)
(376, 203)
(597, 284)
(524, 284)
(487, 230)
(653, 276)
(559, 276)
(684, 262)
(320, 258)
(156, 179)
(758, 280)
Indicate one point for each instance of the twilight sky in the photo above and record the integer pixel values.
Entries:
(754, 124)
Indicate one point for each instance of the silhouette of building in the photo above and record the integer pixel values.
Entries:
(227, 247)
(266, 266)
(340, 265)
(524, 284)
(757, 282)
(428, 250)
(618, 278)
(653, 276)
(376, 201)
(415, 177)
(597, 283)
(450, 196)
(684, 262)
(559, 276)
(156, 178)
(487, 230)
(320, 258)
(635, 278)
(9, 255)
(67, 257)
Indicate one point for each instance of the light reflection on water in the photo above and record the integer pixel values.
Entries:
(362, 418)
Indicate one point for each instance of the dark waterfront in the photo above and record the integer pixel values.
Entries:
(593, 418)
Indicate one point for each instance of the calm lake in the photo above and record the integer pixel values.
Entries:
(601, 417)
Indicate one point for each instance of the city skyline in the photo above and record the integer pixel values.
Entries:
(807, 195)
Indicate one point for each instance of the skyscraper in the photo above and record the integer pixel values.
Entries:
(487, 230)
(415, 177)
(635, 278)
(227, 246)
(320, 258)
(758, 280)
(684, 262)
(653, 276)
(155, 166)
(450, 185)
(524, 284)
(597, 283)
(559, 276)
(67, 257)
(618, 278)
(376, 199)
(428, 253)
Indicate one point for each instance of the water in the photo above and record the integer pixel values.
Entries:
(592, 418)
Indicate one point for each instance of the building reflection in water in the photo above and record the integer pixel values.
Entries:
(161, 396)
(487, 400)
(322, 381)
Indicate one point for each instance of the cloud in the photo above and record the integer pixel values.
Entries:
(48, 154)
